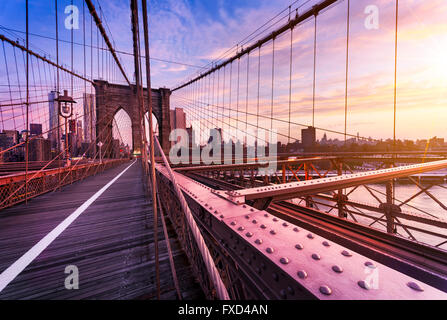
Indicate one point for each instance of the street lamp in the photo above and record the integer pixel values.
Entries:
(66, 111)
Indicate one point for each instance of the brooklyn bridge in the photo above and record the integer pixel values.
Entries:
(230, 185)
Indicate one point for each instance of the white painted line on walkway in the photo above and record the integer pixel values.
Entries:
(17, 267)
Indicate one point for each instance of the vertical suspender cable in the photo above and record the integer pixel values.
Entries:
(347, 68)
(151, 132)
(315, 70)
(229, 100)
(395, 90)
(27, 105)
(218, 93)
(237, 98)
(212, 98)
(273, 82)
(97, 46)
(246, 97)
(58, 140)
(395, 73)
(259, 85)
(290, 82)
(83, 36)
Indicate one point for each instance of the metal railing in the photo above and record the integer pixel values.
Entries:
(12, 189)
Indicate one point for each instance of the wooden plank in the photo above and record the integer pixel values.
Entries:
(111, 243)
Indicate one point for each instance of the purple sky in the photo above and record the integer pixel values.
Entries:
(196, 32)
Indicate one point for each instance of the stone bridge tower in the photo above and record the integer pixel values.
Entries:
(110, 98)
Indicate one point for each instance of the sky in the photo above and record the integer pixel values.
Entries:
(196, 32)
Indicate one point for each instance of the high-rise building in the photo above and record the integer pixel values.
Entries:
(54, 133)
(178, 119)
(79, 131)
(13, 135)
(308, 137)
(39, 149)
(35, 129)
(72, 126)
(89, 118)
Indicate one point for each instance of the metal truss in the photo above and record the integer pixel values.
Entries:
(263, 256)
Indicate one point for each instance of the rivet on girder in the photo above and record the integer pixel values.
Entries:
(275, 276)
(247, 217)
(284, 260)
(325, 290)
(337, 269)
(233, 223)
(222, 216)
(296, 229)
(263, 226)
(255, 221)
(266, 215)
(370, 264)
(316, 256)
(272, 232)
(283, 294)
(216, 212)
(241, 228)
(244, 206)
(249, 234)
(211, 208)
(258, 241)
(275, 219)
(302, 274)
(363, 284)
(326, 244)
(346, 253)
(290, 290)
(285, 224)
(415, 286)
(299, 246)
(252, 210)
(269, 250)
(310, 236)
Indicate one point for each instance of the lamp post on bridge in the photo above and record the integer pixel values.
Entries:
(100, 144)
(66, 111)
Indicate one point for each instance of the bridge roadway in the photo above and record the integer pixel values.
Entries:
(110, 241)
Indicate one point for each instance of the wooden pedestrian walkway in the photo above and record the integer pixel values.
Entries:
(110, 243)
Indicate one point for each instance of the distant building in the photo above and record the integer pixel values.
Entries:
(308, 137)
(13, 135)
(178, 119)
(89, 118)
(80, 132)
(72, 126)
(35, 129)
(39, 149)
(5, 141)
